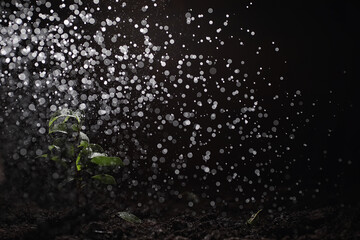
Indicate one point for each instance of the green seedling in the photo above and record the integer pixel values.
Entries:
(72, 148)
(254, 218)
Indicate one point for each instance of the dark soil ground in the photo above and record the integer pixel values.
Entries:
(172, 220)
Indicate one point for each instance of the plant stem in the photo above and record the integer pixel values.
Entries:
(78, 173)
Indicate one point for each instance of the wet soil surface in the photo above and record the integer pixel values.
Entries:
(27, 220)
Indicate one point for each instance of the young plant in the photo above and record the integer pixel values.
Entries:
(72, 148)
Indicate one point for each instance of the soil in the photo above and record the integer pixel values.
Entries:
(173, 220)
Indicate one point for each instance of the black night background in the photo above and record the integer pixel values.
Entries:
(216, 110)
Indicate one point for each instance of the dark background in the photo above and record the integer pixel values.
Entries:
(318, 43)
(318, 40)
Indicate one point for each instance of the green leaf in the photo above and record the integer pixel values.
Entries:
(105, 178)
(58, 131)
(66, 119)
(97, 154)
(78, 165)
(75, 127)
(61, 127)
(51, 147)
(129, 217)
(52, 120)
(66, 116)
(253, 219)
(42, 156)
(107, 161)
(58, 142)
(85, 153)
(83, 144)
(96, 148)
(84, 137)
(78, 115)
(55, 158)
